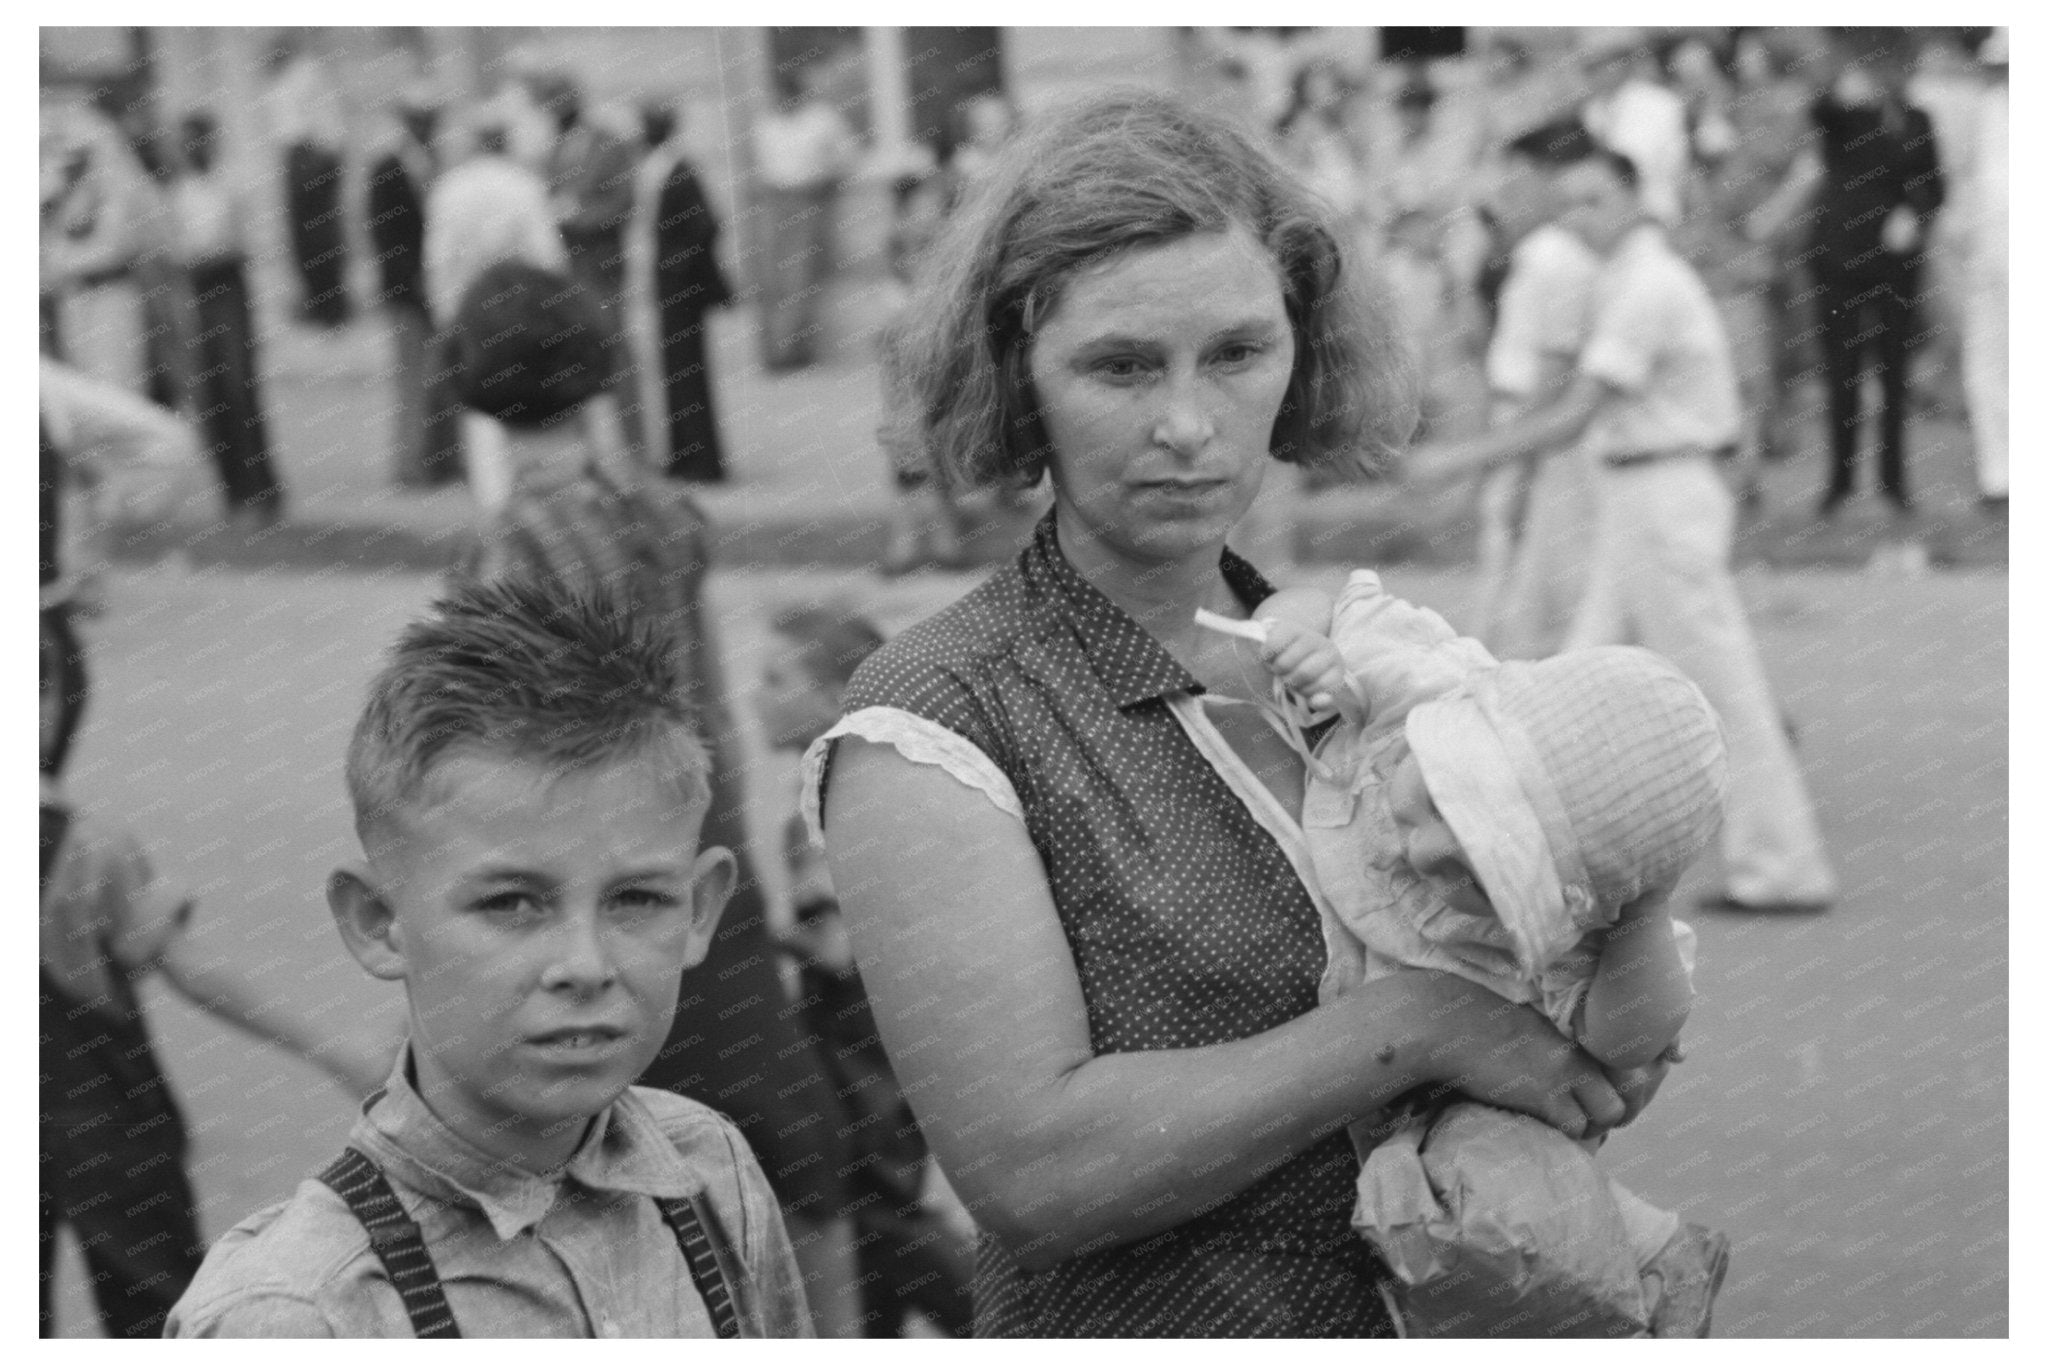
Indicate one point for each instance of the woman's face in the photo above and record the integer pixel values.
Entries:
(1158, 378)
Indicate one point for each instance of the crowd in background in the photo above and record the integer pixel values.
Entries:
(1843, 193)
(1751, 143)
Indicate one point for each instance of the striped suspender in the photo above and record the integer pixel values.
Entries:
(396, 1240)
(704, 1248)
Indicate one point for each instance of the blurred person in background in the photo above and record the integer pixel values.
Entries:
(590, 172)
(484, 210)
(1944, 82)
(1633, 112)
(1430, 245)
(1768, 114)
(673, 254)
(1536, 517)
(105, 453)
(803, 150)
(1984, 211)
(984, 123)
(304, 114)
(1695, 72)
(1877, 187)
(100, 217)
(925, 516)
(210, 214)
(424, 453)
(1731, 177)
(1316, 142)
(915, 1251)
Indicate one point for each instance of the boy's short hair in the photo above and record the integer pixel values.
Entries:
(532, 345)
(832, 639)
(524, 668)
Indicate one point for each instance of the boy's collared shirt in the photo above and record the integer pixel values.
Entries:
(582, 1252)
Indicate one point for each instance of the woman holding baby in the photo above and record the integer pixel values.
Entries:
(1067, 842)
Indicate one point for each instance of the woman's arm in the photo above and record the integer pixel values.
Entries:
(1640, 995)
(1059, 1151)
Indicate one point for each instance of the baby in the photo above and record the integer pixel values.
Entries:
(1521, 826)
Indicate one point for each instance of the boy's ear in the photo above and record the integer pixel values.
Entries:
(711, 884)
(366, 922)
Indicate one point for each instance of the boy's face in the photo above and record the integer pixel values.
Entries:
(1431, 849)
(542, 924)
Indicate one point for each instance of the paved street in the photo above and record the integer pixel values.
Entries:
(1842, 1114)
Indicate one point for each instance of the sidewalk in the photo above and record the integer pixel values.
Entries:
(810, 488)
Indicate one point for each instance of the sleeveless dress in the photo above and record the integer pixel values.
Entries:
(1191, 924)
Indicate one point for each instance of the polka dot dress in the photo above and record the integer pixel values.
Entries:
(1188, 926)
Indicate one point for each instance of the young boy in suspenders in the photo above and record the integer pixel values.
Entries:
(529, 796)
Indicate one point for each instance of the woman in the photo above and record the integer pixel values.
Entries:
(1068, 849)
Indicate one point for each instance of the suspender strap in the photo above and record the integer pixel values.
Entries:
(396, 1239)
(705, 1249)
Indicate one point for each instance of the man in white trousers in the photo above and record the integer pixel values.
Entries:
(1654, 394)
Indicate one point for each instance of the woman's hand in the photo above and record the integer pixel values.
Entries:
(1510, 1055)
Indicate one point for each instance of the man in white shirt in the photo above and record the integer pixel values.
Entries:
(488, 209)
(1536, 516)
(1654, 394)
(1632, 113)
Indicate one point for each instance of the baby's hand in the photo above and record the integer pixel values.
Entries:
(1311, 668)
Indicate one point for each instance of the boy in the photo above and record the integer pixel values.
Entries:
(579, 513)
(111, 1137)
(528, 794)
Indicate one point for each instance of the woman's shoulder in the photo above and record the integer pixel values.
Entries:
(953, 655)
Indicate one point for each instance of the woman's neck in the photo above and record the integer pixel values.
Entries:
(1160, 595)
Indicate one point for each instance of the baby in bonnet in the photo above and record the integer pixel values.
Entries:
(1520, 825)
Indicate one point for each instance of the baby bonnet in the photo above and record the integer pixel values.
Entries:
(1631, 755)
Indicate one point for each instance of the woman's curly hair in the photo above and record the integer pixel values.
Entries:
(1131, 169)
